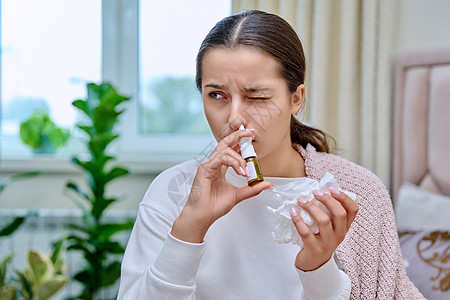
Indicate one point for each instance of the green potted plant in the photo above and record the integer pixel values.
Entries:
(44, 275)
(42, 134)
(42, 287)
(8, 291)
(95, 237)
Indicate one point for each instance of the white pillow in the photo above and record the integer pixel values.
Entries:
(417, 208)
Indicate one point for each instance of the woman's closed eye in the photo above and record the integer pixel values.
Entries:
(258, 98)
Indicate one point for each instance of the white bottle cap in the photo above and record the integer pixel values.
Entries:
(245, 143)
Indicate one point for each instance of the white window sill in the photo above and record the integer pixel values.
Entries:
(18, 158)
(52, 164)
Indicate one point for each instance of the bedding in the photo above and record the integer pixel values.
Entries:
(426, 254)
(417, 208)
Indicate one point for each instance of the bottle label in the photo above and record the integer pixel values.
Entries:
(252, 171)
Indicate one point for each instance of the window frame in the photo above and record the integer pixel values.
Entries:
(120, 66)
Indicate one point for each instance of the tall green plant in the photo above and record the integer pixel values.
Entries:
(94, 238)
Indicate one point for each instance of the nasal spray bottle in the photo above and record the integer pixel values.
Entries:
(248, 153)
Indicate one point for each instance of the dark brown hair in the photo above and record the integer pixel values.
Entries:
(273, 35)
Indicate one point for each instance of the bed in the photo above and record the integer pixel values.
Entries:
(421, 167)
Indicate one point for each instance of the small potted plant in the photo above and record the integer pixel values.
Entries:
(42, 134)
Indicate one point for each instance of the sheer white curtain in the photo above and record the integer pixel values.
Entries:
(347, 45)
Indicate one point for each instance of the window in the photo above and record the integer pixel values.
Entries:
(50, 49)
(146, 48)
(169, 101)
(170, 122)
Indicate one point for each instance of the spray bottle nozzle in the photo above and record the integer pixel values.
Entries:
(246, 146)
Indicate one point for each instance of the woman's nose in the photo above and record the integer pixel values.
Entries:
(237, 114)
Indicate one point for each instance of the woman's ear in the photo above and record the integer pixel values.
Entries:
(297, 99)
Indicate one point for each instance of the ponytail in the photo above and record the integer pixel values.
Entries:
(303, 135)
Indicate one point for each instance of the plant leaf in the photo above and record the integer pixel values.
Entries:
(10, 179)
(72, 186)
(8, 292)
(108, 230)
(49, 288)
(114, 173)
(26, 288)
(77, 240)
(78, 247)
(3, 268)
(99, 207)
(87, 129)
(89, 166)
(59, 137)
(84, 276)
(11, 227)
(58, 247)
(111, 247)
(104, 118)
(79, 228)
(83, 106)
(100, 142)
(111, 274)
(110, 96)
(39, 264)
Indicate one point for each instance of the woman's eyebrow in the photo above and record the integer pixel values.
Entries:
(246, 89)
(215, 86)
(256, 89)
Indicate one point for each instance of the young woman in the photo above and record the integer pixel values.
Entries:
(203, 233)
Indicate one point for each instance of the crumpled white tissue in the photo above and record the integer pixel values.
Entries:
(285, 231)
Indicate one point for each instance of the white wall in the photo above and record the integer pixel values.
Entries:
(47, 191)
(422, 24)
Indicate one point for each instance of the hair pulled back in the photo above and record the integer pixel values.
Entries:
(273, 35)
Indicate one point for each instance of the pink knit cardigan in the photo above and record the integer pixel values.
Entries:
(370, 253)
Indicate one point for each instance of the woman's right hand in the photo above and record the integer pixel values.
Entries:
(212, 196)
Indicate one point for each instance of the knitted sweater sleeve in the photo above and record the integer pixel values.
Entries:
(370, 253)
(392, 279)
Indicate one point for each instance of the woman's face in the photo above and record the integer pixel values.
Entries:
(243, 86)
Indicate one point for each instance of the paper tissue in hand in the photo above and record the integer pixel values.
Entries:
(285, 231)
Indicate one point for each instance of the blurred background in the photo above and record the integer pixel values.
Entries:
(51, 50)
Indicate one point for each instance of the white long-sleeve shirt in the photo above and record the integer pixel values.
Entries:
(237, 260)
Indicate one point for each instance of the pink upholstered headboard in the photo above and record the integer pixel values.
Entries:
(422, 121)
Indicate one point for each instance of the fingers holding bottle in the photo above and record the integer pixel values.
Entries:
(220, 160)
(212, 196)
(226, 154)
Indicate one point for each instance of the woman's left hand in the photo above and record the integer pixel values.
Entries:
(318, 248)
